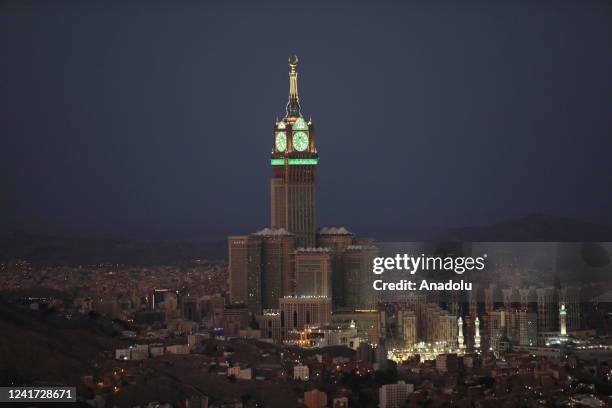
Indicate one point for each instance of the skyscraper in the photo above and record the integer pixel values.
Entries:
(547, 309)
(338, 239)
(313, 272)
(245, 271)
(357, 268)
(277, 278)
(294, 159)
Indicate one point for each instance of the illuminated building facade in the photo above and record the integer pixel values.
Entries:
(408, 321)
(570, 297)
(313, 272)
(297, 312)
(460, 341)
(367, 322)
(294, 160)
(270, 324)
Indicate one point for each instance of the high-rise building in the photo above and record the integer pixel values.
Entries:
(446, 329)
(528, 328)
(492, 297)
(338, 239)
(357, 268)
(260, 268)
(408, 321)
(475, 301)
(294, 160)
(497, 327)
(277, 278)
(313, 272)
(511, 298)
(547, 309)
(245, 271)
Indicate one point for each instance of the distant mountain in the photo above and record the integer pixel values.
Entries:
(534, 227)
(70, 250)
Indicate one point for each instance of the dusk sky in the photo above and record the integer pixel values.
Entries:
(154, 119)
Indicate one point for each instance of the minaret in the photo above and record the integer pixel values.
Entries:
(460, 334)
(294, 159)
(477, 335)
(563, 323)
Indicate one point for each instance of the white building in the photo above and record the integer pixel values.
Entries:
(394, 395)
(301, 372)
(240, 373)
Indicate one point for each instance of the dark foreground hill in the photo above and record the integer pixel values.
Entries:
(40, 347)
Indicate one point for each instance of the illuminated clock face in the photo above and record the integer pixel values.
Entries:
(300, 141)
(281, 141)
(300, 124)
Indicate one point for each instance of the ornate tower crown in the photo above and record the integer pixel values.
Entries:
(293, 106)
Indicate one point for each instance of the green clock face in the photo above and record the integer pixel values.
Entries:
(281, 141)
(300, 141)
(300, 124)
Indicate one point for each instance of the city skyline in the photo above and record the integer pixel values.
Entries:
(323, 205)
(105, 137)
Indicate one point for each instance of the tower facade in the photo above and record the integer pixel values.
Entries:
(245, 271)
(294, 159)
(313, 272)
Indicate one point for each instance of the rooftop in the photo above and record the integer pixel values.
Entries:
(334, 231)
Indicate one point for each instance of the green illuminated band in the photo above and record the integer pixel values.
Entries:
(280, 162)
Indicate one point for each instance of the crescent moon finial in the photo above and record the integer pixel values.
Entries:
(294, 62)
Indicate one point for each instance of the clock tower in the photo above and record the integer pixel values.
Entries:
(294, 160)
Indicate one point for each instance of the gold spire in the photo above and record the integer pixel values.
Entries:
(293, 92)
(293, 106)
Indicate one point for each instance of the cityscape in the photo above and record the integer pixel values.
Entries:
(290, 317)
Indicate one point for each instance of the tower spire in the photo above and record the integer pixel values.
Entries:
(293, 106)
